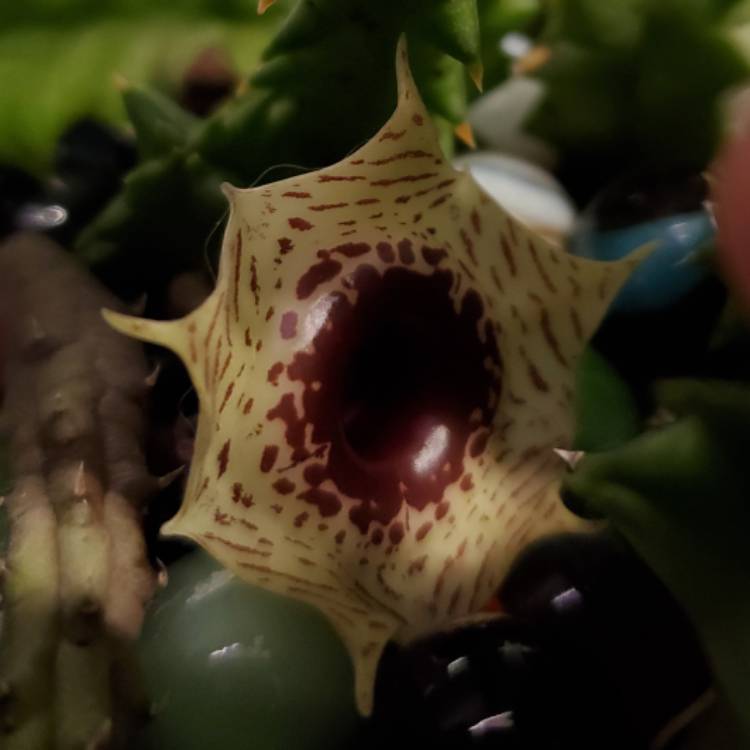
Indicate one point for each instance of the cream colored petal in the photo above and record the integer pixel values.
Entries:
(278, 491)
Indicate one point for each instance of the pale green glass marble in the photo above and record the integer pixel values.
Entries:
(228, 665)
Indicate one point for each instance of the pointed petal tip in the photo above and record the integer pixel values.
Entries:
(229, 190)
(365, 670)
(180, 525)
(410, 102)
(364, 701)
(165, 333)
(264, 5)
(365, 650)
(643, 253)
(119, 321)
(404, 79)
(171, 527)
(402, 50)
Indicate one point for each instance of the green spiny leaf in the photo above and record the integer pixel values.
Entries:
(636, 81)
(606, 412)
(56, 70)
(497, 20)
(155, 188)
(680, 496)
(160, 124)
(454, 27)
(308, 23)
(326, 85)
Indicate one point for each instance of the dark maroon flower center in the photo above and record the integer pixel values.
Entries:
(396, 383)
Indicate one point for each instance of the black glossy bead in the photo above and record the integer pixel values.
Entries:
(597, 605)
(663, 321)
(91, 149)
(91, 160)
(594, 654)
(16, 189)
(499, 685)
(459, 689)
(644, 195)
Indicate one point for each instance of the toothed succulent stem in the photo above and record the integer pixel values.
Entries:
(77, 573)
(27, 649)
(282, 123)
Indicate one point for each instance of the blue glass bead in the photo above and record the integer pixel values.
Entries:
(665, 209)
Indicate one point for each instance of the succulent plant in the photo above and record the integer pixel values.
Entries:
(384, 370)
(76, 574)
(58, 60)
(635, 82)
(324, 87)
(679, 495)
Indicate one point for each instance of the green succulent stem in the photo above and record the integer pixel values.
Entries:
(679, 494)
(325, 85)
(30, 624)
(76, 573)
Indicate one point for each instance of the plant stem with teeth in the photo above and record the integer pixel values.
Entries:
(77, 576)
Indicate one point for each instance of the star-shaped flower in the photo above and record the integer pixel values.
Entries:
(384, 371)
